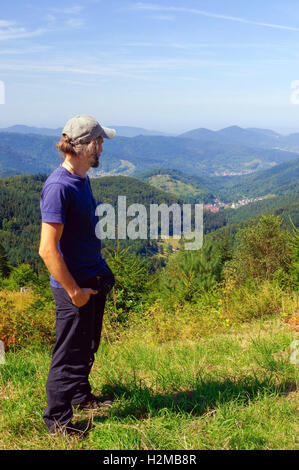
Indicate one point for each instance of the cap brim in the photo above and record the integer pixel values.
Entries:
(108, 133)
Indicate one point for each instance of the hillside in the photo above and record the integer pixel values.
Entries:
(20, 211)
(280, 180)
(33, 153)
(232, 390)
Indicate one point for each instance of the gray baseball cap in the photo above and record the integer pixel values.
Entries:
(83, 129)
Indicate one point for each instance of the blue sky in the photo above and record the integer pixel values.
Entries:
(166, 65)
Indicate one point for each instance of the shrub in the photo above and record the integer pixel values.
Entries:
(22, 275)
(190, 273)
(260, 251)
(253, 299)
(26, 318)
(132, 280)
(4, 265)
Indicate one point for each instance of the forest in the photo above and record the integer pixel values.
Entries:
(199, 340)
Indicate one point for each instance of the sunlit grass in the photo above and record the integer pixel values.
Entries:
(234, 390)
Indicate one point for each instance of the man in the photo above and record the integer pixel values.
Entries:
(80, 277)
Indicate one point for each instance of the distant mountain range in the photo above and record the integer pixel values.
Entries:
(20, 129)
(251, 137)
(34, 153)
(122, 131)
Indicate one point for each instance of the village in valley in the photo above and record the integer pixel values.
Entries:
(233, 205)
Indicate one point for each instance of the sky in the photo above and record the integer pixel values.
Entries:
(170, 65)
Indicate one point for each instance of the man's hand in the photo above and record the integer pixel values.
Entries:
(81, 296)
(50, 235)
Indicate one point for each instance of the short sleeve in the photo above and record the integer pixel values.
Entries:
(54, 203)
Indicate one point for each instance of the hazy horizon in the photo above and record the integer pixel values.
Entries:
(170, 133)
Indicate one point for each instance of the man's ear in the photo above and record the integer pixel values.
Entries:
(93, 147)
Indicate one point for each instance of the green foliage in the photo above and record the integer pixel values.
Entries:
(22, 275)
(191, 188)
(294, 269)
(189, 273)
(10, 225)
(290, 279)
(20, 218)
(260, 250)
(4, 266)
(26, 318)
(20, 213)
(132, 279)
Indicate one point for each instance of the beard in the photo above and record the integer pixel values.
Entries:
(94, 161)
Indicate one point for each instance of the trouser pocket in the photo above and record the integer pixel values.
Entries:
(105, 283)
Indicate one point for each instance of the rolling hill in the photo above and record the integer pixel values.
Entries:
(280, 180)
(33, 153)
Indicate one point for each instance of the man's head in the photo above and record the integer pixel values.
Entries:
(83, 136)
(84, 129)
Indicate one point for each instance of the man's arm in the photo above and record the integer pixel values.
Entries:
(48, 251)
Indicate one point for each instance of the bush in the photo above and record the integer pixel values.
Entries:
(218, 309)
(25, 318)
(190, 273)
(240, 303)
(4, 264)
(22, 275)
(132, 278)
(260, 250)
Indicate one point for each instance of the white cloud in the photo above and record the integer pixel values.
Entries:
(9, 30)
(152, 7)
(201, 46)
(26, 50)
(134, 69)
(69, 16)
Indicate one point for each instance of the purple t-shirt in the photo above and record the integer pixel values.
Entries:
(67, 199)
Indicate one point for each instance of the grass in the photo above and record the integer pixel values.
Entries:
(234, 390)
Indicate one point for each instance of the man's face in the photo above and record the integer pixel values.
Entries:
(95, 157)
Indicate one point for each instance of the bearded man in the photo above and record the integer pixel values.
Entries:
(80, 277)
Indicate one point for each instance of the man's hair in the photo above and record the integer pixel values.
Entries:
(66, 147)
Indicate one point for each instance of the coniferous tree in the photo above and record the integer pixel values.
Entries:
(4, 266)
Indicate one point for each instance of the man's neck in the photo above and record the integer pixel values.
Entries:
(75, 166)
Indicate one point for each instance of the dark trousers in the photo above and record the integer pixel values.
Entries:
(78, 333)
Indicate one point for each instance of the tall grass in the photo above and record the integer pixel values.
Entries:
(230, 390)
